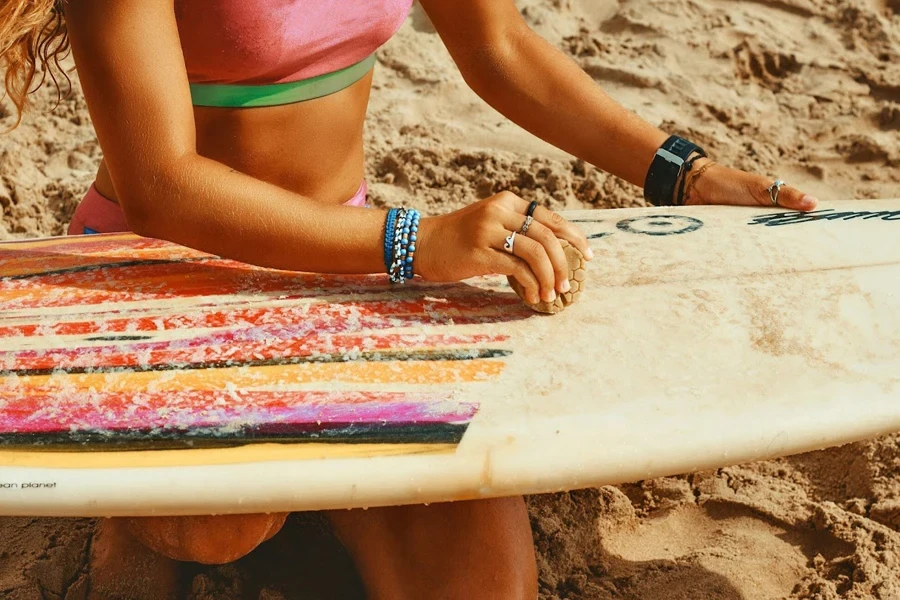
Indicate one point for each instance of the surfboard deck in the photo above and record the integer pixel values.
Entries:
(138, 377)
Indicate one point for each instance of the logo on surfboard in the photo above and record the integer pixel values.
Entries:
(828, 214)
(655, 225)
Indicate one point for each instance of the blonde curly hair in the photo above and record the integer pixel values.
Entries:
(33, 39)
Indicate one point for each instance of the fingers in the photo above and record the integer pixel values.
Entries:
(542, 234)
(539, 248)
(539, 263)
(723, 185)
(564, 230)
(561, 228)
(515, 267)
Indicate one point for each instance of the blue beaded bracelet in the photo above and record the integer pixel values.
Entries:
(389, 226)
(411, 244)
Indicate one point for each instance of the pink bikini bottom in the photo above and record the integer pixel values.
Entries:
(98, 214)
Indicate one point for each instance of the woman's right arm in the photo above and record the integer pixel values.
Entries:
(132, 71)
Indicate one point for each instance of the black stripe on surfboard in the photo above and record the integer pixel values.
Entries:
(157, 439)
(387, 356)
(118, 338)
(97, 267)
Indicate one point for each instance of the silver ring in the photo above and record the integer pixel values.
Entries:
(527, 224)
(774, 189)
(510, 244)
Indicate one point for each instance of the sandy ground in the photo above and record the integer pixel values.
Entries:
(808, 90)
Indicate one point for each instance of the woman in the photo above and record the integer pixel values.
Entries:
(235, 127)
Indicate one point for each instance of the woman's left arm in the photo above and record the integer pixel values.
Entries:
(541, 89)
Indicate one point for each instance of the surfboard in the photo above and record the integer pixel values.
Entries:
(139, 377)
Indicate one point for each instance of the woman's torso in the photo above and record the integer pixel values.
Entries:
(313, 147)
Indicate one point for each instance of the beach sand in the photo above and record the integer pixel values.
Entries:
(806, 90)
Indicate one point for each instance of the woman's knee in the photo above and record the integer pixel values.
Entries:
(206, 539)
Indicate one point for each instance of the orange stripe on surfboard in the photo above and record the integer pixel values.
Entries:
(263, 377)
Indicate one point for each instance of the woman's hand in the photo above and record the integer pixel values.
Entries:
(470, 242)
(723, 185)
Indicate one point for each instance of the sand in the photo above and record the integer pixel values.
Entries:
(808, 90)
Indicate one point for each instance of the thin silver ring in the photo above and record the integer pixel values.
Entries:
(774, 189)
(527, 224)
(510, 244)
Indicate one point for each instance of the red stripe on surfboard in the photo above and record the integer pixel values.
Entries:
(226, 347)
(74, 411)
(145, 282)
(32, 257)
(141, 283)
(374, 314)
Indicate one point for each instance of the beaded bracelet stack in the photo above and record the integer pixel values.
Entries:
(400, 231)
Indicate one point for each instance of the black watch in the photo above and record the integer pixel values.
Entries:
(665, 170)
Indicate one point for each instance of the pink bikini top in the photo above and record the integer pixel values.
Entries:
(258, 42)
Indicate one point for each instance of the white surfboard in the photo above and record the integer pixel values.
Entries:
(142, 378)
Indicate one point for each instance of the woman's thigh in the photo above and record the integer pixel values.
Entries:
(473, 549)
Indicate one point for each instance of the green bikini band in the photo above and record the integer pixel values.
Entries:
(248, 96)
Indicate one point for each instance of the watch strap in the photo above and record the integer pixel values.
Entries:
(666, 169)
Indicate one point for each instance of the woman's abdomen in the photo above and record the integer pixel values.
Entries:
(313, 148)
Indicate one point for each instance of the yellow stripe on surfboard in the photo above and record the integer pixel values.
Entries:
(250, 453)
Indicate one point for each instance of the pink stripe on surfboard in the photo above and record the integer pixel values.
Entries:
(74, 411)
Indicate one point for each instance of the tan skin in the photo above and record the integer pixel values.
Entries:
(265, 186)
